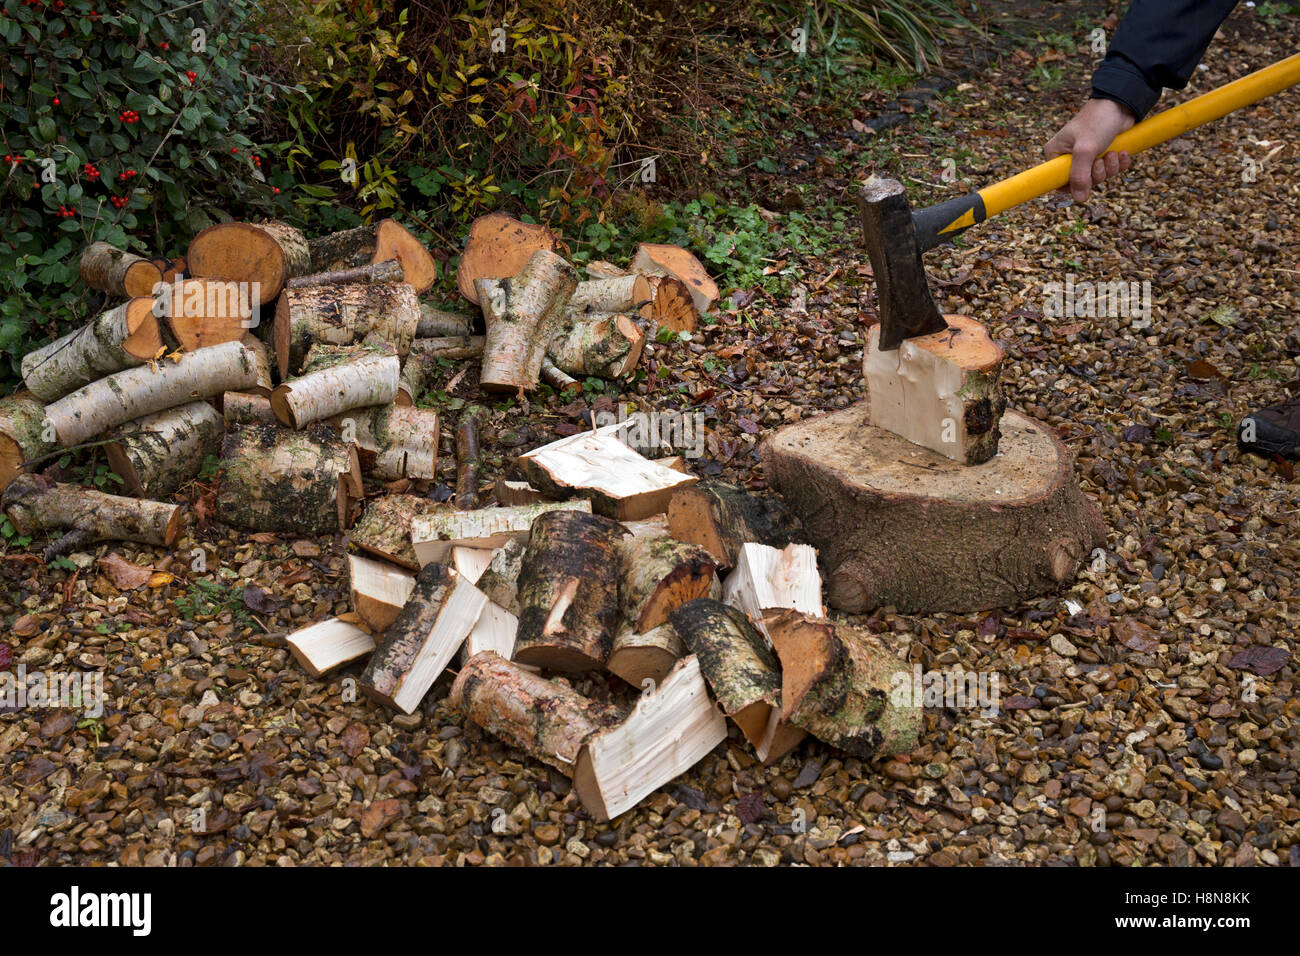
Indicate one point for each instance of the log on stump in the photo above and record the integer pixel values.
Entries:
(203, 312)
(940, 391)
(568, 592)
(337, 379)
(123, 337)
(136, 392)
(277, 479)
(624, 294)
(654, 259)
(422, 362)
(393, 441)
(468, 458)
(390, 270)
(433, 536)
(497, 247)
(838, 686)
(422, 639)
(384, 528)
(246, 408)
(670, 729)
(600, 344)
(650, 656)
(112, 270)
(368, 245)
(342, 315)
(672, 306)
(36, 503)
(766, 578)
(500, 579)
(268, 254)
(659, 575)
(897, 524)
(722, 518)
(439, 323)
(379, 590)
(329, 645)
(158, 453)
(521, 315)
(24, 435)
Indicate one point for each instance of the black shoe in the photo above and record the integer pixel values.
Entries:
(1272, 431)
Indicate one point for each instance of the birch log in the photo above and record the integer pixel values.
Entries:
(158, 453)
(245, 408)
(394, 441)
(342, 315)
(24, 435)
(384, 528)
(37, 503)
(122, 337)
(378, 242)
(659, 575)
(521, 315)
(336, 380)
(599, 344)
(626, 294)
(439, 323)
(112, 270)
(389, 270)
(265, 256)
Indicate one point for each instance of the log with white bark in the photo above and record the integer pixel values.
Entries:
(659, 575)
(497, 247)
(246, 408)
(500, 579)
(670, 729)
(650, 656)
(568, 592)
(277, 479)
(268, 254)
(379, 590)
(328, 645)
(521, 315)
(263, 361)
(423, 638)
(384, 528)
(379, 242)
(112, 270)
(337, 379)
(557, 378)
(433, 536)
(766, 578)
(624, 294)
(438, 323)
(123, 337)
(545, 719)
(37, 503)
(600, 269)
(25, 436)
(209, 311)
(394, 441)
(722, 518)
(655, 259)
(390, 270)
(158, 453)
(342, 315)
(601, 344)
(136, 392)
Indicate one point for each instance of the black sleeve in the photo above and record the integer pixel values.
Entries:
(1157, 46)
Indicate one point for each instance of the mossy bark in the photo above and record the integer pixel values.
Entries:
(500, 582)
(157, 454)
(22, 435)
(384, 528)
(36, 503)
(722, 518)
(658, 575)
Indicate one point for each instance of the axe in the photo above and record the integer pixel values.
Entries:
(896, 236)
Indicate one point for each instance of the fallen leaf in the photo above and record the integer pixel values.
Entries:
(256, 599)
(124, 575)
(1259, 660)
(1135, 635)
(26, 626)
(355, 739)
(306, 549)
(1202, 370)
(264, 537)
(160, 579)
(297, 576)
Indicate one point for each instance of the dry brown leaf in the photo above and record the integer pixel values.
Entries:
(306, 549)
(26, 626)
(124, 575)
(264, 537)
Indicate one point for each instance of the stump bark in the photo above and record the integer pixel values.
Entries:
(342, 315)
(121, 338)
(269, 254)
(158, 453)
(117, 272)
(379, 242)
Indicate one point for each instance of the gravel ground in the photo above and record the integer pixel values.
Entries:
(1148, 715)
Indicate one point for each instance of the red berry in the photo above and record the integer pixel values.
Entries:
(56, 101)
(234, 149)
(166, 46)
(276, 190)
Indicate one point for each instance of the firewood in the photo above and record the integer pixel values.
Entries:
(262, 361)
(379, 242)
(433, 536)
(342, 315)
(278, 479)
(421, 364)
(393, 441)
(173, 269)
(650, 656)
(675, 462)
(521, 315)
(37, 503)
(495, 628)
(546, 719)
(620, 483)
(839, 687)
(122, 337)
(497, 247)
(438, 323)
(467, 458)
(658, 575)
(557, 378)
(515, 493)
(735, 659)
(24, 436)
(779, 738)
(384, 528)
(246, 408)
(422, 639)
(604, 345)
(337, 379)
(390, 270)
(329, 645)
(672, 306)
(158, 453)
(204, 312)
(379, 590)
(136, 392)
(500, 579)
(656, 526)
(568, 592)
(722, 518)
(600, 269)
(654, 259)
(624, 294)
(268, 253)
(766, 578)
(109, 269)
(670, 729)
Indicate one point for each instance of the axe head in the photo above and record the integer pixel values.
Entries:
(902, 294)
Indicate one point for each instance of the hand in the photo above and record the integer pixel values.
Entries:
(1085, 138)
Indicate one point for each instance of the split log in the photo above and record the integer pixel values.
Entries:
(337, 379)
(500, 579)
(546, 719)
(421, 364)
(393, 441)
(675, 462)
(376, 243)
(722, 518)
(672, 306)
(515, 493)
(624, 294)
(329, 645)
(379, 590)
(246, 408)
(268, 254)
(122, 337)
(262, 361)
(384, 528)
(204, 312)
(600, 269)
(595, 465)
(24, 436)
(422, 639)
(659, 575)
(558, 379)
(568, 592)
(669, 730)
(839, 688)
(900, 525)
(603, 345)
(112, 270)
(766, 578)
(36, 503)
(136, 392)
(656, 526)
(158, 453)
(735, 659)
(277, 479)
(495, 628)
(342, 315)
(940, 391)
(497, 247)
(654, 259)
(521, 315)
(650, 656)
(433, 536)
(390, 270)
(438, 323)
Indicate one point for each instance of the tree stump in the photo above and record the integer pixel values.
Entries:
(899, 525)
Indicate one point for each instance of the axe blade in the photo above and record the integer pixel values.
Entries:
(902, 293)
